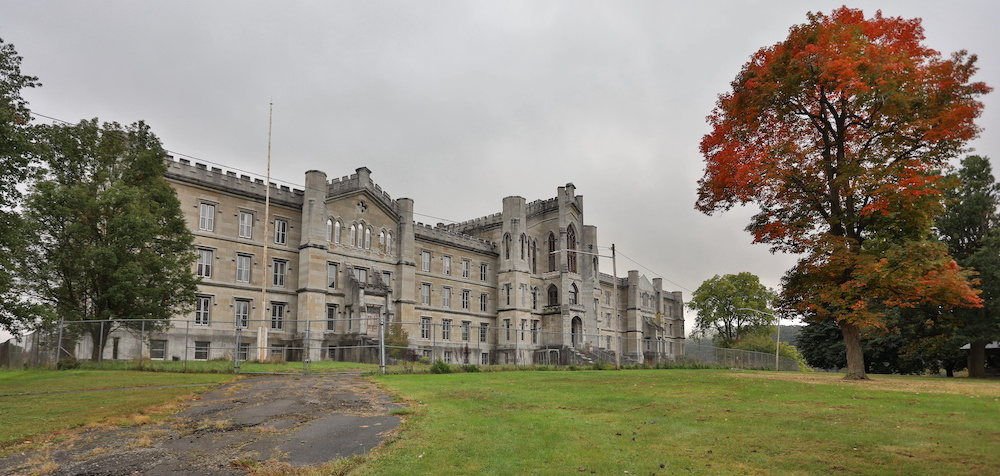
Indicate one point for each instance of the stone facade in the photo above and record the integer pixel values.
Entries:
(517, 286)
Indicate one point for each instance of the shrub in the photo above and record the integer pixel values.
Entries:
(470, 368)
(440, 367)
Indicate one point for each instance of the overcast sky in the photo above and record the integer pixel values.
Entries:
(457, 104)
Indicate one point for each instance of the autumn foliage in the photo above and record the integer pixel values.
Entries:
(838, 134)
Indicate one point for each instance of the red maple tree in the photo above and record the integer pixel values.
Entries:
(838, 134)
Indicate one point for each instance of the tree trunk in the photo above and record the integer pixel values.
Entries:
(977, 359)
(855, 357)
(99, 338)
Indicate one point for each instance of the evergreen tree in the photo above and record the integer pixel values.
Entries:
(969, 226)
(111, 242)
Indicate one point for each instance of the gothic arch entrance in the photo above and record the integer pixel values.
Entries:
(576, 331)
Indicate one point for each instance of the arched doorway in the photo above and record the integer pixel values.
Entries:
(576, 331)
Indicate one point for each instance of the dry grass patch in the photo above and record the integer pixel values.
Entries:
(896, 383)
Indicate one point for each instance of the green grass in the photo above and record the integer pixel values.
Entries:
(683, 421)
(35, 403)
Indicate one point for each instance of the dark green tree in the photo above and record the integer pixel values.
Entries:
(110, 241)
(822, 345)
(17, 151)
(969, 226)
(722, 303)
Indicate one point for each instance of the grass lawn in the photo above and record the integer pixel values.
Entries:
(40, 402)
(691, 421)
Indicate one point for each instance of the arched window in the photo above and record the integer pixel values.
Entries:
(354, 235)
(381, 240)
(388, 242)
(573, 291)
(553, 295)
(368, 238)
(329, 230)
(524, 244)
(506, 246)
(534, 256)
(571, 245)
(534, 297)
(336, 232)
(552, 251)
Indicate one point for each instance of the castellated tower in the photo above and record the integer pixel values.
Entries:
(514, 281)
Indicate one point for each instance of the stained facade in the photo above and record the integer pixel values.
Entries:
(525, 285)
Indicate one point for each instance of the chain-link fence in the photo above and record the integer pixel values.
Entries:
(303, 345)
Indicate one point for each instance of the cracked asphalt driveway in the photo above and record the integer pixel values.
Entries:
(300, 420)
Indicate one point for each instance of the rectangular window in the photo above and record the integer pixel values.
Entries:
(524, 295)
(446, 297)
(506, 328)
(425, 294)
(246, 225)
(243, 351)
(277, 315)
(202, 310)
(331, 316)
(596, 302)
(350, 319)
(534, 331)
(425, 260)
(280, 232)
(201, 349)
(447, 355)
(425, 328)
(466, 268)
(361, 274)
(524, 327)
(446, 329)
(205, 258)
(280, 269)
(484, 358)
(484, 300)
(484, 270)
(484, 330)
(466, 326)
(465, 299)
(387, 278)
(206, 218)
(331, 274)
(243, 268)
(158, 349)
(446, 265)
(607, 297)
(242, 307)
(506, 293)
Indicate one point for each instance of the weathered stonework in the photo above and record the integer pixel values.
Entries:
(530, 274)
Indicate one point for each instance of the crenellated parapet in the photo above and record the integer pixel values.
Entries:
(539, 207)
(183, 170)
(476, 224)
(443, 235)
(357, 182)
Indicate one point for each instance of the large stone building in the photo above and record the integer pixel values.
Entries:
(524, 285)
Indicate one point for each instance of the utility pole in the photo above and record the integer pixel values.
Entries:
(618, 319)
(262, 330)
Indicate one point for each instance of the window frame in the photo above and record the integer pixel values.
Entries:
(203, 310)
(206, 216)
(280, 232)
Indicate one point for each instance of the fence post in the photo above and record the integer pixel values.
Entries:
(142, 334)
(307, 358)
(187, 334)
(100, 355)
(59, 342)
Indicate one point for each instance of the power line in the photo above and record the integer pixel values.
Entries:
(654, 273)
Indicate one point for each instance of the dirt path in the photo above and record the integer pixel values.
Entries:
(299, 420)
